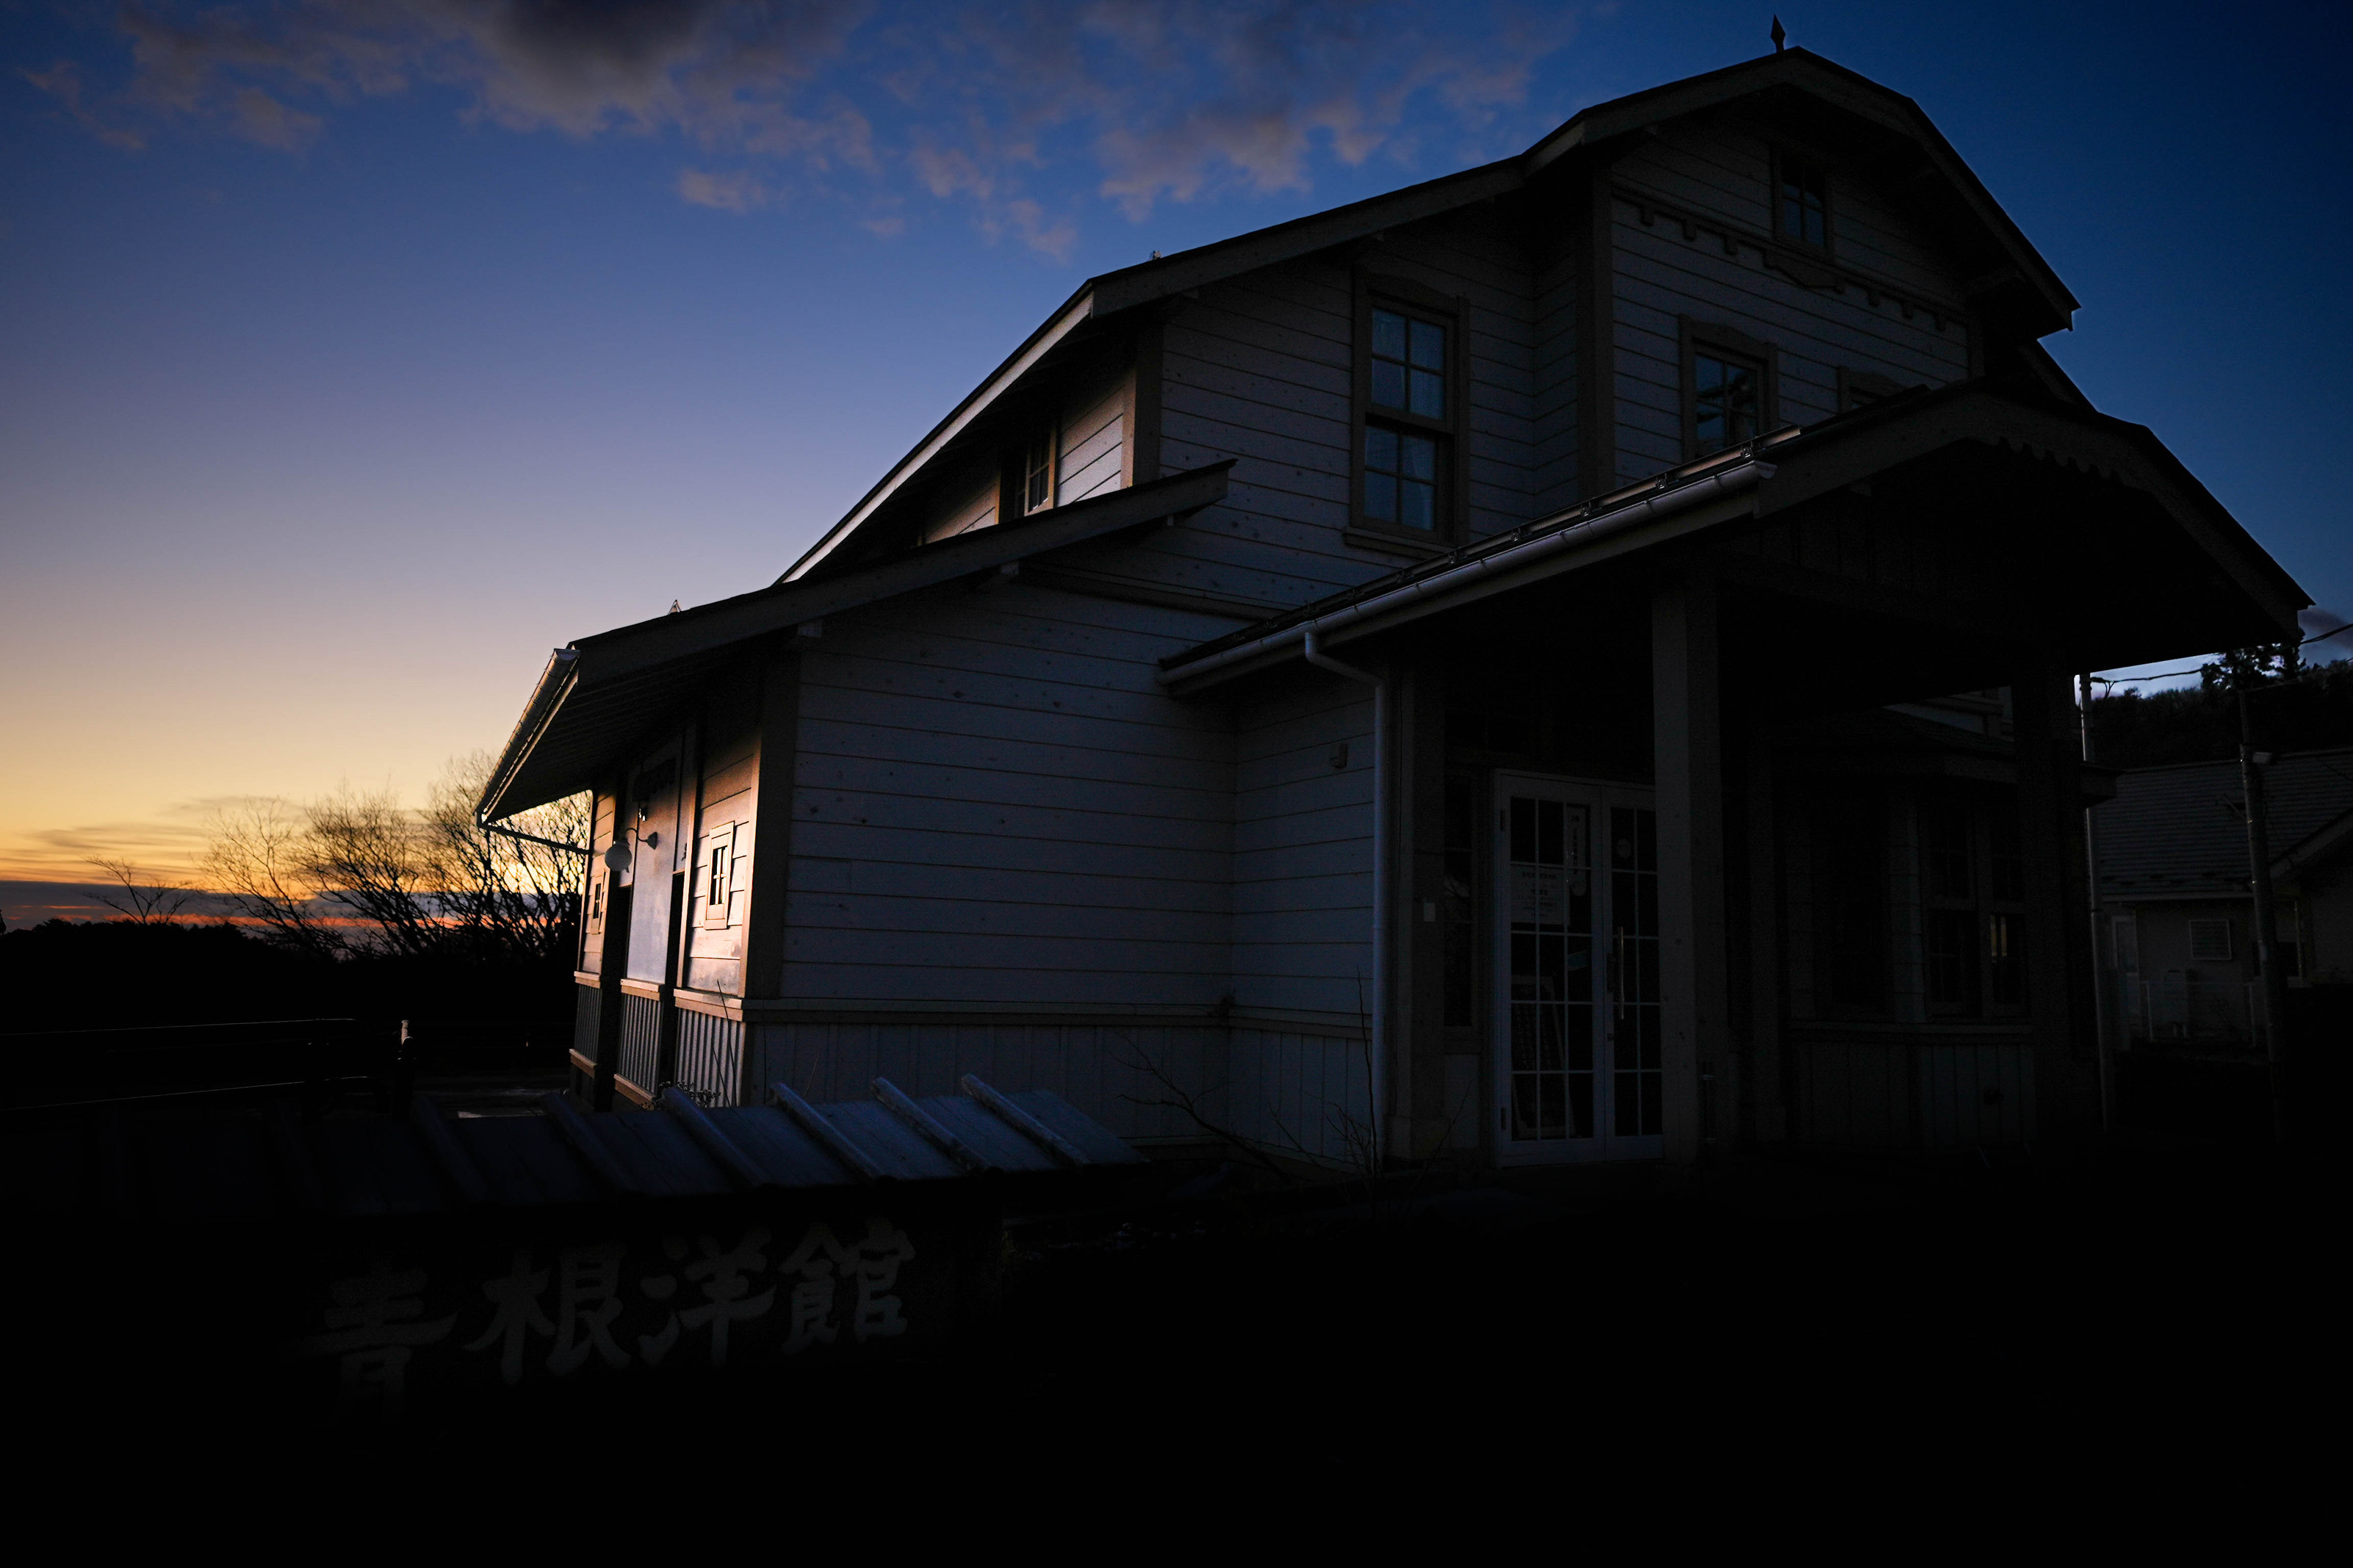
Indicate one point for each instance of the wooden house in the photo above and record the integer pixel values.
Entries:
(2175, 884)
(1469, 670)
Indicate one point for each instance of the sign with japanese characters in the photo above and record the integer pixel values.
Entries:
(391, 1326)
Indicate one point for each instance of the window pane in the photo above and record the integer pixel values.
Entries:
(1429, 395)
(1421, 455)
(1420, 506)
(1381, 498)
(1380, 448)
(1428, 345)
(1388, 334)
(1388, 383)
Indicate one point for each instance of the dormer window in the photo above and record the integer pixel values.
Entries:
(1801, 205)
(1038, 473)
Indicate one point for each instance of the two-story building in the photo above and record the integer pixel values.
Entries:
(1473, 669)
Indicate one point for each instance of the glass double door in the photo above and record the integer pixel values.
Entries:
(1577, 1055)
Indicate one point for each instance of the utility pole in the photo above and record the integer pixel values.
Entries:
(2258, 859)
(2103, 1009)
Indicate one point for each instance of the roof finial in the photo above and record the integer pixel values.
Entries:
(1779, 34)
(673, 607)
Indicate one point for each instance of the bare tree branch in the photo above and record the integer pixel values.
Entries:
(148, 903)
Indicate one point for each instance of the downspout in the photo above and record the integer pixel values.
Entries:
(1379, 1073)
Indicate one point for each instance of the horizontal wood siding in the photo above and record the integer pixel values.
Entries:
(994, 802)
(1662, 276)
(1121, 1075)
(1303, 848)
(1471, 257)
(1093, 440)
(972, 504)
(1305, 1096)
(710, 1063)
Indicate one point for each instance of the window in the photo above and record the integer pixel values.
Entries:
(1410, 401)
(1801, 210)
(596, 902)
(1727, 398)
(1038, 473)
(1973, 888)
(2210, 942)
(1408, 365)
(1400, 478)
(718, 872)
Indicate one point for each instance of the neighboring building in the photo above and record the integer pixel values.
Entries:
(1420, 677)
(2175, 883)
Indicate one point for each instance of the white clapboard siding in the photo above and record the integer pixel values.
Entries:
(995, 801)
(1663, 277)
(1093, 443)
(973, 505)
(1725, 170)
(1303, 846)
(1120, 1074)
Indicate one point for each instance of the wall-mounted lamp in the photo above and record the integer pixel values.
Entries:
(617, 858)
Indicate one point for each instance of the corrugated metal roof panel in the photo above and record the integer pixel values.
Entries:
(241, 1170)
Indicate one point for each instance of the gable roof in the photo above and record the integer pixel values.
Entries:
(1885, 128)
(600, 694)
(2179, 831)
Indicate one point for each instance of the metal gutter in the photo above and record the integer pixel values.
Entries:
(1741, 476)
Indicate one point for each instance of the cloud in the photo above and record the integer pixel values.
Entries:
(735, 192)
(62, 81)
(1021, 113)
(2324, 626)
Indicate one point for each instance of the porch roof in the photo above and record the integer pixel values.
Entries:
(602, 692)
(2091, 543)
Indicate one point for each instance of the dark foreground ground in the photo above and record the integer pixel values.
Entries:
(2127, 1342)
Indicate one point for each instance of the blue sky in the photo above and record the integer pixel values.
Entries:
(360, 351)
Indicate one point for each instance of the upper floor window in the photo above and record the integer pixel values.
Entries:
(1728, 399)
(1038, 473)
(1405, 465)
(1408, 365)
(1801, 204)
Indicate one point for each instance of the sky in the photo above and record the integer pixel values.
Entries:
(355, 353)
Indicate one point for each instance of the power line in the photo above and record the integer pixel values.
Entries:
(2169, 674)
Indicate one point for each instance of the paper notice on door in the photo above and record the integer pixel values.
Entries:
(1539, 895)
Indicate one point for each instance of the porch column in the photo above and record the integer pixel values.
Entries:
(1687, 740)
(2049, 803)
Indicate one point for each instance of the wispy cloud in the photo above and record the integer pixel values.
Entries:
(1022, 114)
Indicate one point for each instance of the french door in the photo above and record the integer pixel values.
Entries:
(1576, 1048)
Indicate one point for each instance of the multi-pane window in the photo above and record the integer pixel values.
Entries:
(1038, 473)
(1408, 365)
(1728, 399)
(1973, 872)
(1401, 478)
(2210, 942)
(1803, 204)
(1411, 405)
